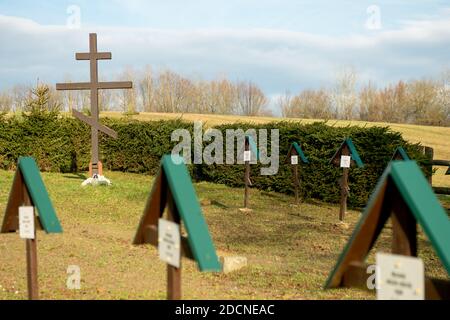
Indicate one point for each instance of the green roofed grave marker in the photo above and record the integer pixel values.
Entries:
(173, 189)
(400, 154)
(295, 154)
(28, 193)
(403, 194)
(345, 156)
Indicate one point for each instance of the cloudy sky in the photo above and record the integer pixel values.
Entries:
(280, 45)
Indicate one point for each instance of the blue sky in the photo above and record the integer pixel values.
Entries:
(318, 17)
(280, 45)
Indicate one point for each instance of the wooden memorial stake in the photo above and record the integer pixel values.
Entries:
(403, 194)
(296, 152)
(250, 151)
(173, 273)
(296, 182)
(345, 189)
(347, 149)
(28, 189)
(173, 189)
(94, 86)
(247, 181)
(31, 252)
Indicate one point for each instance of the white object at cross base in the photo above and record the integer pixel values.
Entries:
(399, 277)
(294, 159)
(98, 180)
(169, 240)
(26, 222)
(345, 161)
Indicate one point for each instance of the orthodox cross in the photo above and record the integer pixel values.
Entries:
(94, 86)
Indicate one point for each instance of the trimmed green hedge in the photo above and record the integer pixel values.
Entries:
(62, 144)
(319, 179)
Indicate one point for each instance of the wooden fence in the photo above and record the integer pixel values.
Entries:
(446, 163)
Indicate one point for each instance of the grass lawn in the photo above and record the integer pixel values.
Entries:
(290, 249)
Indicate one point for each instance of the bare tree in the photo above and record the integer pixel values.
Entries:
(344, 98)
(147, 90)
(128, 97)
(251, 100)
(6, 102)
(284, 103)
(20, 94)
(370, 106)
(69, 97)
(423, 106)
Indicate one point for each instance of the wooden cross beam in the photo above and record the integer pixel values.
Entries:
(94, 86)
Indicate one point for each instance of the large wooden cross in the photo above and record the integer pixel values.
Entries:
(94, 86)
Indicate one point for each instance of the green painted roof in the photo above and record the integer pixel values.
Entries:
(353, 152)
(422, 202)
(299, 150)
(402, 152)
(39, 196)
(425, 206)
(252, 144)
(187, 204)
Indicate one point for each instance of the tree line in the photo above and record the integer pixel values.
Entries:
(425, 101)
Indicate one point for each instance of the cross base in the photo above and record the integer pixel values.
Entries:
(96, 176)
(95, 169)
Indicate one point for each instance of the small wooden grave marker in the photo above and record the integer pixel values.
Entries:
(346, 156)
(27, 193)
(173, 188)
(400, 154)
(94, 86)
(251, 152)
(403, 194)
(294, 154)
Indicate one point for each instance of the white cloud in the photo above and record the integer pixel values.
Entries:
(278, 60)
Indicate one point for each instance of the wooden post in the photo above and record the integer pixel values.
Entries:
(296, 182)
(246, 176)
(429, 152)
(31, 252)
(173, 273)
(344, 195)
(404, 228)
(173, 283)
(344, 187)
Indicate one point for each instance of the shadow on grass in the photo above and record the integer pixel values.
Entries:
(78, 176)
(277, 196)
(219, 204)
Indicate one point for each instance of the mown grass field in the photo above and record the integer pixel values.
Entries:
(435, 137)
(290, 249)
